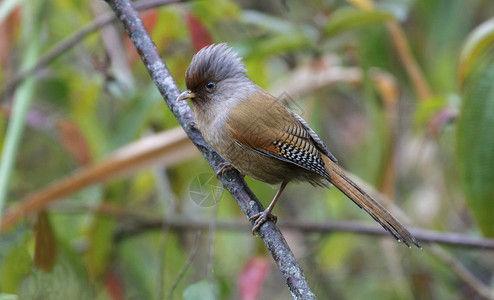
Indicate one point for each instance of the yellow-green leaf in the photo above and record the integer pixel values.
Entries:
(101, 241)
(346, 19)
(475, 142)
(478, 42)
(15, 265)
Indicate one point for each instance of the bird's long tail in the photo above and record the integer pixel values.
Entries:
(371, 206)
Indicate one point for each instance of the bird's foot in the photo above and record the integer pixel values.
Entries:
(192, 125)
(261, 218)
(223, 168)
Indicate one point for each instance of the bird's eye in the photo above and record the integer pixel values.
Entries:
(210, 85)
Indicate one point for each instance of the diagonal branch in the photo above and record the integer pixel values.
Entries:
(478, 286)
(409, 61)
(232, 181)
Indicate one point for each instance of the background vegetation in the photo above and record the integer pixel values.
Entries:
(401, 91)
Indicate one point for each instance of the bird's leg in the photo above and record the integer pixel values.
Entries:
(192, 125)
(262, 217)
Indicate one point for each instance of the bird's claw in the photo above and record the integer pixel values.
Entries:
(223, 168)
(192, 125)
(261, 218)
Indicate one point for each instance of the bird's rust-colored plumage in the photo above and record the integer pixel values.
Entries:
(276, 132)
(260, 137)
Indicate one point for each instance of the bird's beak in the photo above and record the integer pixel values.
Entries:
(186, 95)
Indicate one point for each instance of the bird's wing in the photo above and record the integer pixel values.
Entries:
(317, 140)
(264, 125)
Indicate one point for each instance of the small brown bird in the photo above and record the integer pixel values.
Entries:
(255, 133)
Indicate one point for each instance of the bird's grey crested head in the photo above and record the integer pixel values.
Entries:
(213, 63)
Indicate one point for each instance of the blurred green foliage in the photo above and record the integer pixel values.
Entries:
(476, 143)
(434, 156)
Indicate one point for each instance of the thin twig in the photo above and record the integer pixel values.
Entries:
(139, 225)
(402, 47)
(411, 66)
(479, 287)
(212, 235)
(137, 222)
(72, 40)
(164, 192)
(232, 181)
(186, 265)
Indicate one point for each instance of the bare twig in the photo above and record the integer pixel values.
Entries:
(212, 236)
(402, 47)
(186, 266)
(447, 238)
(479, 287)
(232, 181)
(411, 66)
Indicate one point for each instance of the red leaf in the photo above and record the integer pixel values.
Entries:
(114, 286)
(74, 141)
(198, 33)
(150, 18)
(8, 31)
(253, 277)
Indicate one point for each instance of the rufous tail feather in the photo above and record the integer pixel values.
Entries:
(367, 203)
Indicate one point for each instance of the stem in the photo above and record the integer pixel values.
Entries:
(22, 100)
(141, 224)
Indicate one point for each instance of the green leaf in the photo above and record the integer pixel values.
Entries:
(427, 109)
(282, 43)
(84, 109)
(23, 97)
(133, 117)
(272, 24)
(346, 19)
(477, 43)
(15, 266)
(201, 290)
(475, 145)
(101, 239)
(212, 11)
(267, 22)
